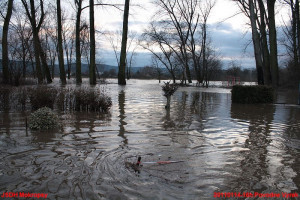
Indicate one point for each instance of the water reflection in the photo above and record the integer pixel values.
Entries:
(267, 165)
(5, 99)
(253, 162)
(43, 136)
(5, 122)
(168, 123)
(122, 116)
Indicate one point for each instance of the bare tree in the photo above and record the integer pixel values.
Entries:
(291, 42)
(68, 32)
(256, 44)
(213, 65)
(182, 17)
(92, 45)
(62, 73)
(273, 43)
(78, 4)
(39, 52)
(22, 35)
(157, 37)
(114, 39)
(265, 51)
(205, 53)
(264, 44)
(14, 51)
(5, 60)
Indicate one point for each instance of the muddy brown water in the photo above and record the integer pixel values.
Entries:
(225, 148)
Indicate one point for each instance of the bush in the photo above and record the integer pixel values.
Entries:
(42, 96)
(252, 94)
(90, 100)
(43, 119)
(169, 89)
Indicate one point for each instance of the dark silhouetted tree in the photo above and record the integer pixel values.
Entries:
(62, 73)
(122, 66)
(5, 60)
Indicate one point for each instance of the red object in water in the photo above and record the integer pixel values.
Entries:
(139, 161)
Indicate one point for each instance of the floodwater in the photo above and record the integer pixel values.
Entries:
(224, 148)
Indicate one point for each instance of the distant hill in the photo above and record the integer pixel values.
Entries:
(84, 68)
(101, 67)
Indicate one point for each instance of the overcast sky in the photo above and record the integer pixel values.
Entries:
(229, 35)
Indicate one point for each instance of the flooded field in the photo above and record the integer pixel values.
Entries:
(224, 148)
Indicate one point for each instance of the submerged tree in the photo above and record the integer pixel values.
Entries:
(60, 45)
(273, 43)
(121, 74)
(262, 18)
(92, 45)
(78, 4)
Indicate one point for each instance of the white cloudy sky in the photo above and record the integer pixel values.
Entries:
(229, 35)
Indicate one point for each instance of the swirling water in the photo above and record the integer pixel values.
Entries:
(224, 148)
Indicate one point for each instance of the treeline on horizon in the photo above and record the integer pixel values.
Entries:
(43, 33)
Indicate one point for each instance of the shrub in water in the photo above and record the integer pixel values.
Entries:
(43, 119)
(87, 99)
(169, 90)
(42, 96)
(252, 94)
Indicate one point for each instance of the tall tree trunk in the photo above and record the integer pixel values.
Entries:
(36, 45)
(297, 15)
(188, 72)
(24, 64)
(294, 35)
(264, 44)
(5, 60)
(62, 73)
(92, 45)
(256, 44)
(68, 63)
(67, 54)
(121, 74)
(273, 43)
(204, 61)
(44, 62)
(77, 44)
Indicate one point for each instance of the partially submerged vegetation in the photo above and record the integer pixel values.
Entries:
(62, 99)
(252, 94)
(43, 119)
(42, 96)
(91, 100)
(169, 90)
